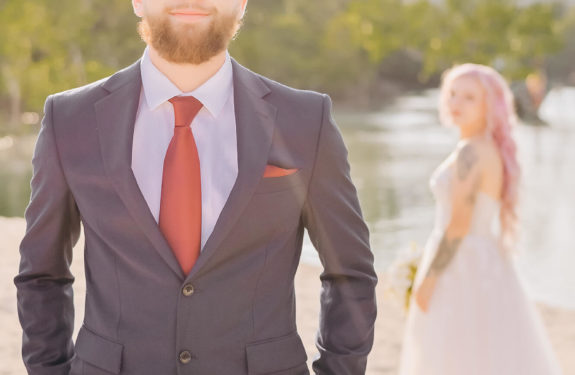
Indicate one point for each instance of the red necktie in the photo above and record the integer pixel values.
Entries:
(181, 201)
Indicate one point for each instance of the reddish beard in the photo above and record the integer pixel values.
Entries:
(189, 44)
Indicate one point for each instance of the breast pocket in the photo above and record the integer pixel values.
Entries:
(274, 207)
(277, 184)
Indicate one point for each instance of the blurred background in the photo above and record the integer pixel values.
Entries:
(381, 61)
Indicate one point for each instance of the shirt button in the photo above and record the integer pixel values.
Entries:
(188, 290)
(185, 357)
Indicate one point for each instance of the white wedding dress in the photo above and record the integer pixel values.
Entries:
(480, 321)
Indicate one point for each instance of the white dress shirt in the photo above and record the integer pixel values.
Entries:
(214, 129)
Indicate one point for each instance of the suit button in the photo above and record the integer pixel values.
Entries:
(185, 357)
(188, 290)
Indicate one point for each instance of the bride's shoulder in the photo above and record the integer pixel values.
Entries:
(480, 152)
(471, 153)
(481, 149)
(477, 144)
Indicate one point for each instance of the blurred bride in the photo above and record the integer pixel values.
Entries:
(469, 313)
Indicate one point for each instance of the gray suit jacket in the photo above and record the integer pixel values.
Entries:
(234, 314)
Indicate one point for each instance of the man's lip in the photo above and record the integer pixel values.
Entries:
(186, 12)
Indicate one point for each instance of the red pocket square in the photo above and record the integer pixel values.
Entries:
(273, 171)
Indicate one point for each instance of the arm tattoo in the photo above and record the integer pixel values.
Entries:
(466, 159)
(472, 197)
(444, 255)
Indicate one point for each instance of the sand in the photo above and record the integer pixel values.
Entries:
(383, 359)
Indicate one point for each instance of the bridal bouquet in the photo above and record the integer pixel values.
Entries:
(402, 274)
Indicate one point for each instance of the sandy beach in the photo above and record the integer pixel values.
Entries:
(560, 323)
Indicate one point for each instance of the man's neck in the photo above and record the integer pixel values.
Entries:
(187, 77)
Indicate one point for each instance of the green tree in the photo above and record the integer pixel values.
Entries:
(336, 46)
(287, 40)
(515, 39)
(51, 46)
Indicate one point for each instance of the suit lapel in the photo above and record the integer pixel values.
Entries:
(116, 116)
(255, 121)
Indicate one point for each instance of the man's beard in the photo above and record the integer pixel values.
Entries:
(188, 44)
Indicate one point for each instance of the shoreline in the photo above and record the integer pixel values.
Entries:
(383, 360)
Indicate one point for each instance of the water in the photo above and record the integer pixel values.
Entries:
(393, 153)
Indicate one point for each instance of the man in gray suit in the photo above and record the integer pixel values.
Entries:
(191, 252)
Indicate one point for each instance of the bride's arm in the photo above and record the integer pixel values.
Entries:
(465, 187)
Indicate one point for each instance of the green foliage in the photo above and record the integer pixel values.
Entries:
(561, 65)
(287, 40)
(50, 46)
(516, 39)
(336, 46)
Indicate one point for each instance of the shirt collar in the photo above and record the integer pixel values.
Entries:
(213, 94)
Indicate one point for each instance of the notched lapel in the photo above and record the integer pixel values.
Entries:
(116, 116)
(255, 123)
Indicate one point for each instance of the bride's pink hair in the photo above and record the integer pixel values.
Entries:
(501, 118)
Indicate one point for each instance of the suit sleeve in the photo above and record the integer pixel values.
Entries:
(333, 218)
(44, 281)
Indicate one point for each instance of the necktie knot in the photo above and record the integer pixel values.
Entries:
(185, 109)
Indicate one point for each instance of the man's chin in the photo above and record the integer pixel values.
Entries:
(189, 51)
(182, 28)
(181, 42)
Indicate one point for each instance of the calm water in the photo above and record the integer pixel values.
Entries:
(393, 153)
